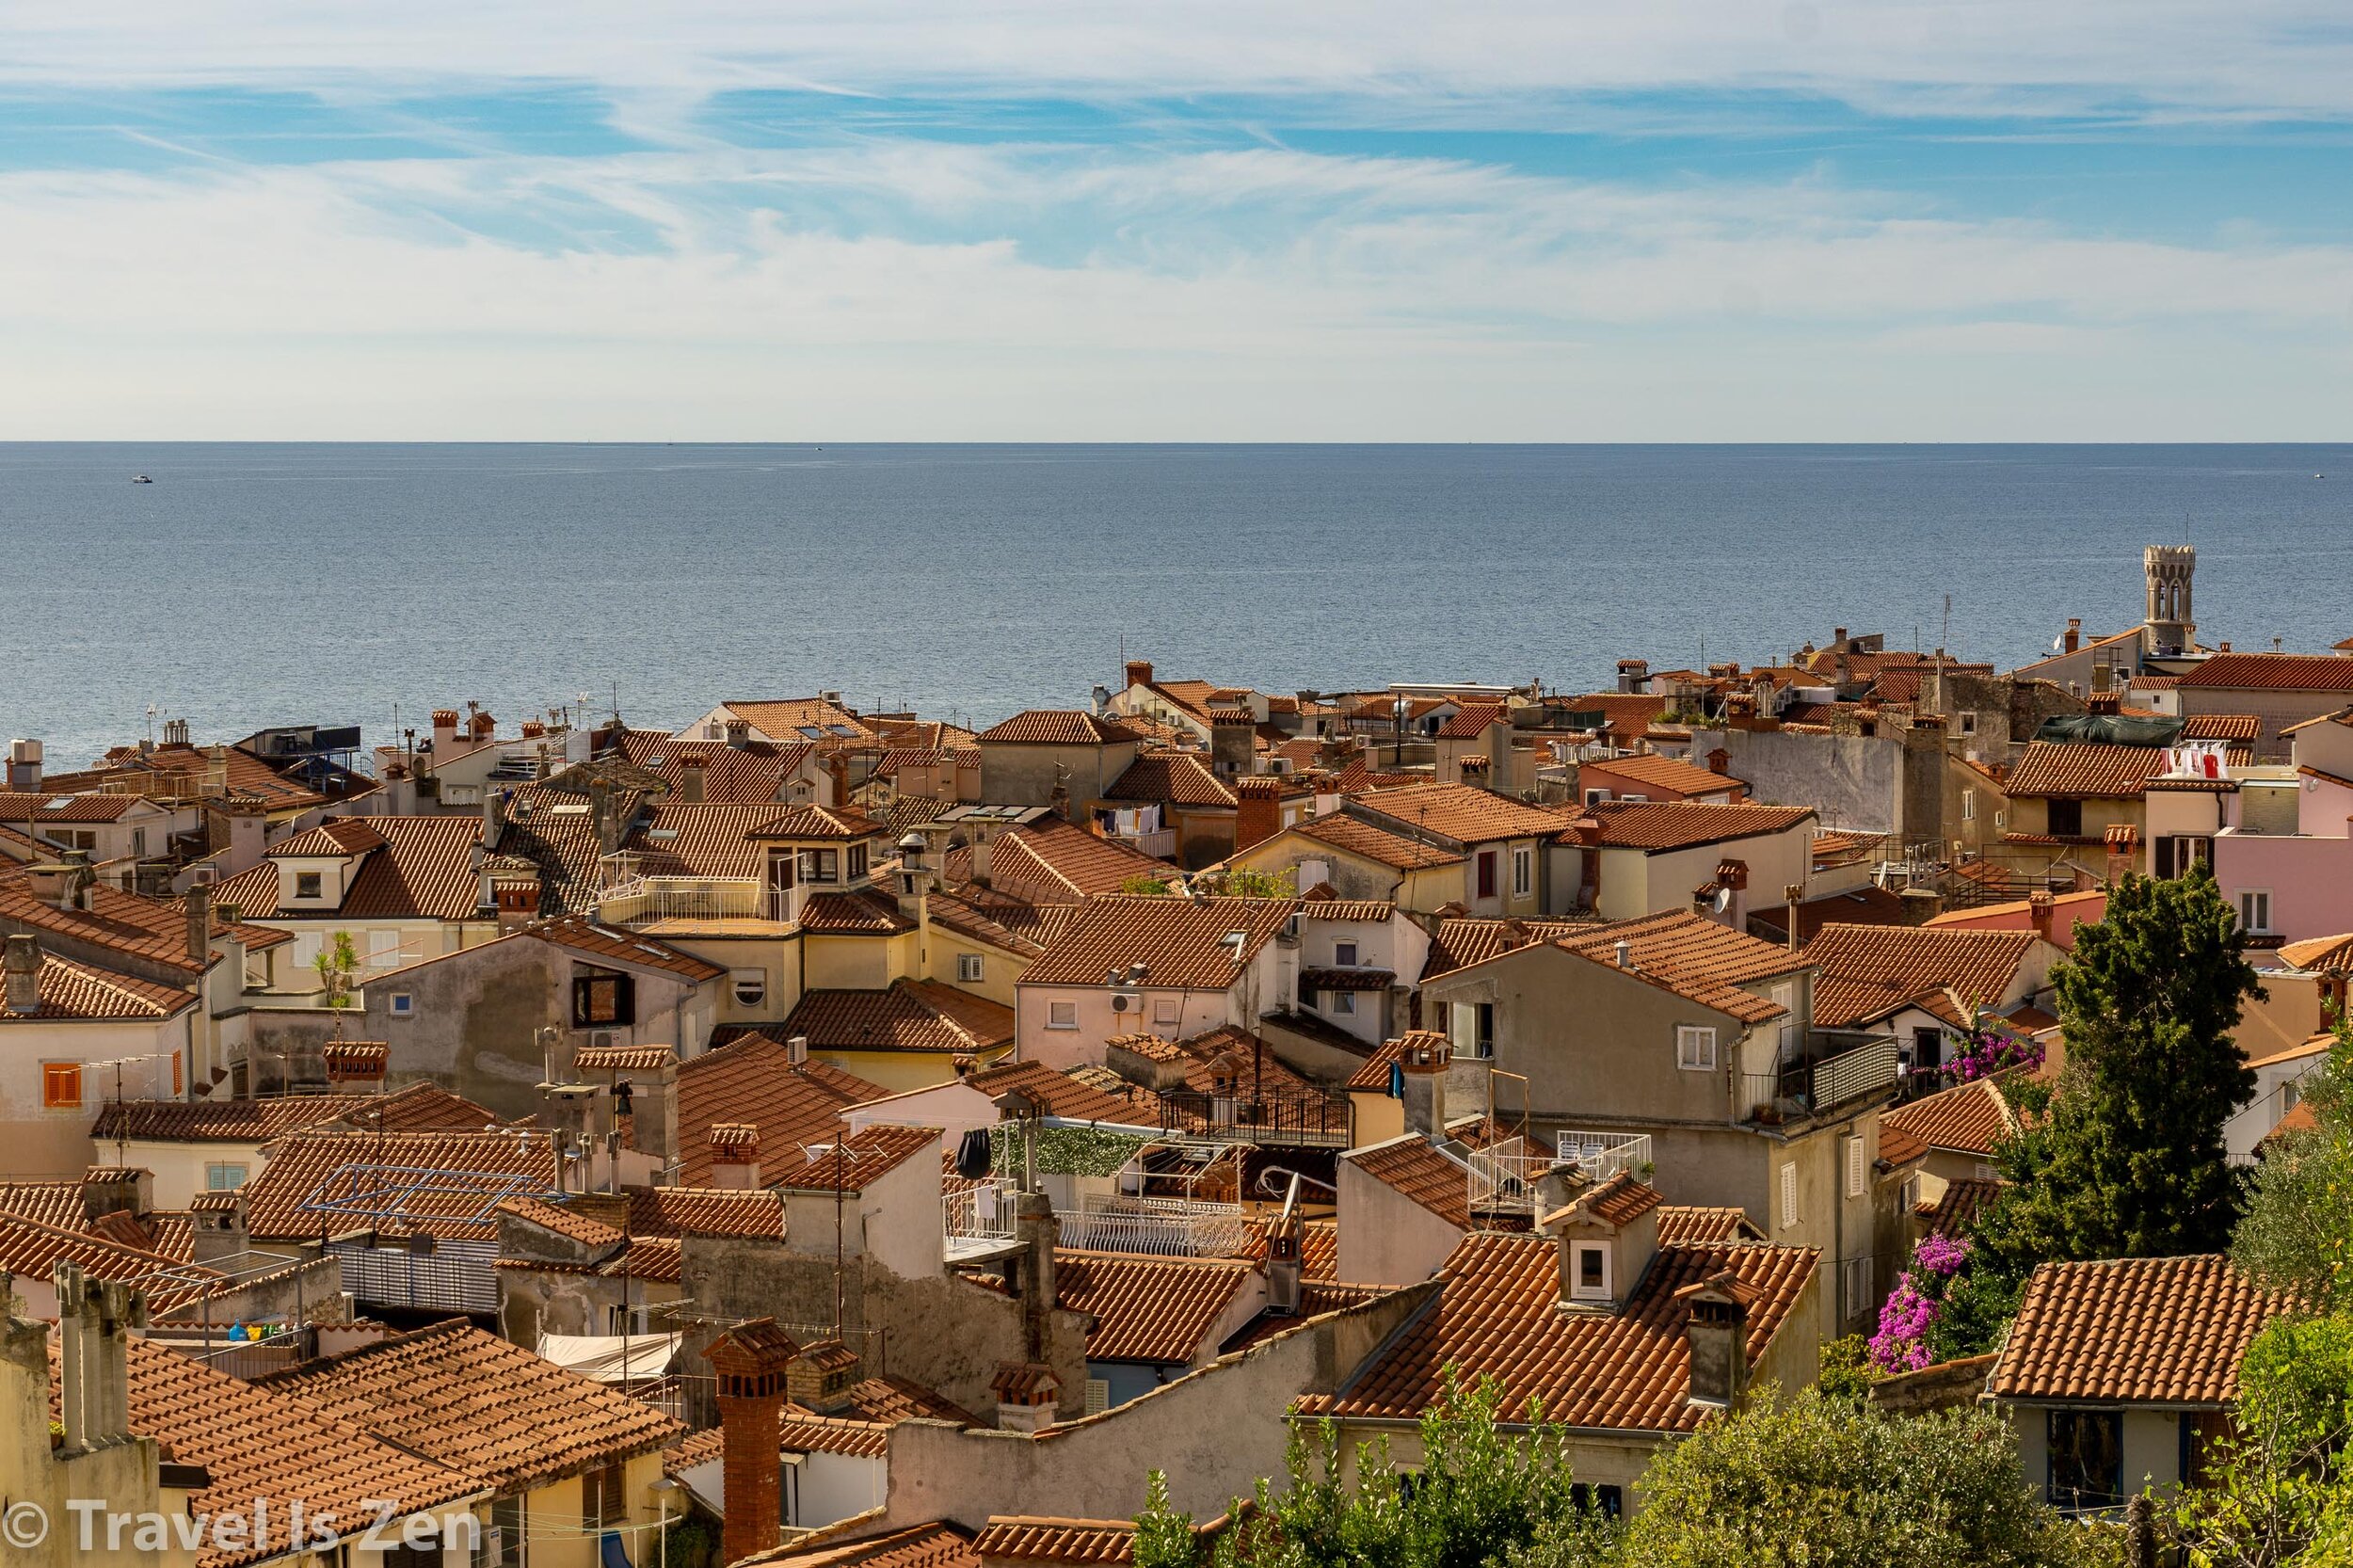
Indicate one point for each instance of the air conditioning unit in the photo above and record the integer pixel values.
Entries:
(1125, 1001)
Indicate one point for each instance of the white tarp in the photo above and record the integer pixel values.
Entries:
(610, 1358)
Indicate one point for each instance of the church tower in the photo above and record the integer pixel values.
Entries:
(2171, 626)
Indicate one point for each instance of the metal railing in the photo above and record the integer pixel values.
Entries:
(1296, 1118)
(1809, 1087)
(635, 900)
(1603, 1155)
(1159, 1227)
(979, 1220)
(1503, 1178)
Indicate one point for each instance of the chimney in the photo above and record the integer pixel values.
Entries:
(735, 1155)
(356, 1067)
(2074, 632)
(219, 1226)
(1791, 895)
(1258, 810)
(1423, 1064)
(1625, 954)
(199, 907)
(1716, 1335)
(1282, 1255)
(1139, 672)
(493, 819)
(823, 1377)
(751, 1361)
(516, 897)
(739, 733)
(1633, 675)
(175, 733)
(2039, 911)
(690, 779)
(1838, 639)
(797, 1050)
(607, 819)
(1232, 743)
(23, 967)
(1037, 1228)
(216, 770)
(838, 769)
(1719, 762)
(24, 766)
(444, 728)
(1027, 1393)
(2225, 647)
(116, 1190)
(982, 855)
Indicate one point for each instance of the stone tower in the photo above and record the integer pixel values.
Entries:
(2172, 625)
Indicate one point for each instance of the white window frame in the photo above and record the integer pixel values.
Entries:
(1344, 1003)
(1579, 1289)
(1785, 996)
(1523, 872)
(1695, 1047)
(402, 1004)
(1344, 955)
(970, 967)
(1968, 717)
(1789, 1194)
(1062, 1014)
(755, 981)
(2245, 896)
(1858, 1168)
(1968, 806)
(1168, 1010)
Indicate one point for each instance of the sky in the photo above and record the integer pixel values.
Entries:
(1918, 220)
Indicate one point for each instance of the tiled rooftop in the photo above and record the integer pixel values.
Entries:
(1868, 971)
(1968, 1118)
(910, 1016)
(2085, 770)
(1458, 812)
(2138, 1330)
(1666, 825)
(1181, 942)
(1157, 1309)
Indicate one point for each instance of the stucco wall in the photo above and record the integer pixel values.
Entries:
(1386, 1238)
(1854, 781)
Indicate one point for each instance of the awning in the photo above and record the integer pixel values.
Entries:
(610, 1358)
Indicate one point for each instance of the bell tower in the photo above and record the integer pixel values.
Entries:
(2171, 626)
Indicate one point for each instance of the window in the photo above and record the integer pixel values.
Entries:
(1344, 955)
(1344, 1002)
(1789, 1194)
(403, 1004)
(1592, 1280)
(1968, 806)
(1166, 1009)
(2087, 1449)
(2065, 817)
(1854, 1287)
(224, 1177)
(820, 865)
(751, 987)
(383, 948)
(61, 1086)
(1968, 718)
(1523, 872)
(968, 968)
(2001, 820)
(1927, 1048)
(1785, 1033)
(1856, 1166)
(1695, 1049)
(858, 861)
(1471, 1028)
(1486, 874)
(2177, 853)
(138, 842)
(1062, 1014)
(602, 999)
(602, 1501)
(307, 885)
(1098, 1396)
(1483, 1031)
(2254, 910)
(1609, 1501)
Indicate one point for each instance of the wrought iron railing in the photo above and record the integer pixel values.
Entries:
(1294, 1116)
(1161, 1227)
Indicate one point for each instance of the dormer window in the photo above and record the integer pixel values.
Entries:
(307, 883)
(820, 865)
(858, 862)
(1591, 1280)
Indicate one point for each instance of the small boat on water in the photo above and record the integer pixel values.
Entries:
(141, 479)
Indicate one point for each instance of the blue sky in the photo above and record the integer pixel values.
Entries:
(1684, 219)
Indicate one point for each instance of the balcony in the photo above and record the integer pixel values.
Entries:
(1161, 844)
(1503, 1183)
(642, 901)
(1812, 1087)
(1603, 1155)
(979, 1221)
(1300, 1117)
(1158, 1227)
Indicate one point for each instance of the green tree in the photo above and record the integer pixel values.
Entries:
(2296, 1234)
(1482, 1493)
(2129, 1162)
(1146, 885)
(337, 964)
(1821, 1480)
(2278, 1491)
(1242, 882)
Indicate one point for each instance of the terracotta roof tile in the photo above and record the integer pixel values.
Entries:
(318, 1183)
(624, 1059)
(1181, 942)
(33, 1250)
(677, 1211)
(1458, 812)
(564, 1221)
(37, 808)
(154, 930)
(869, 911)
(934, 1545)
(2271, 672)
(1695, 958)
(585, 936)
(1057, 727)
(418, 1108)
(1177, 778)
(1685, 1227)
(753, 1079)
(1051, 862)
(1868, 971)
(865, 1156)
(1411, 1164)
(1958, 1208)
(2138, 1330)
(1498, 1315)
(785, 719)
(909, 1015)
(2084, 770)
(747, 775)
(1064, 1095)
(411, 868)
(1620, 1201)
(85, 993)
(1319, 1248)
(1384, 846)
(1321, 903)
(1652, 826)
(1653, 771)
(472, 1401)
(1629, 714)
(257, 1442)
(1157, 1309)
(1968, 1118)
(1466, 941)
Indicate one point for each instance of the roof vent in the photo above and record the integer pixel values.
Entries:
(1626, 953)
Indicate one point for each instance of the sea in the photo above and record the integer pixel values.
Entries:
(259, 585)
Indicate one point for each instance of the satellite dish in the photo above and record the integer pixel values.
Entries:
(1724, 900)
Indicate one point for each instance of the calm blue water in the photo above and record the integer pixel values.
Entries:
(255, 584)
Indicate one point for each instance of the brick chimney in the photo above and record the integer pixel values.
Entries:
(1027, 1393)
(199, 908)
(1139, 672)
(751, 1361)
(735, 1155)
(1423, 1064)
(1258, 810)
(690, 778)
(23, 967)
(444, 728)
(1719, 762)
(2039, 911)
(1716, 1334)
(739, 733)
(356, 1067)
(2074, 632)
